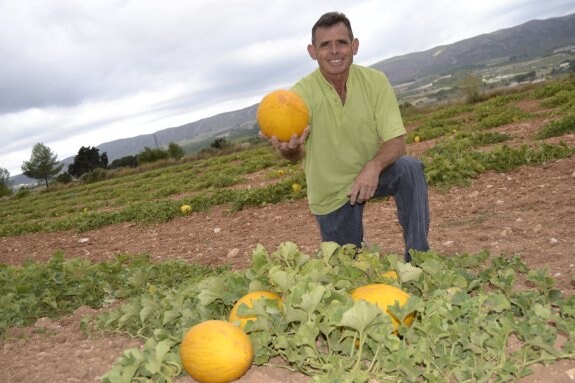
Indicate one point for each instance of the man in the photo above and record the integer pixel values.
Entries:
(354, 148)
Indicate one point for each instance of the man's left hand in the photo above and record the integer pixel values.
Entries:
(365, 184)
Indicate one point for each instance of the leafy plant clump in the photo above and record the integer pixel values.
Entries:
(60, 286)
(558, 128)
(474, 321)
(453, 162)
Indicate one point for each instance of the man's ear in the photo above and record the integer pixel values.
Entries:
(355, 46)
(312, 52)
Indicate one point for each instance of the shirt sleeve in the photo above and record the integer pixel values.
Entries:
(386, 108)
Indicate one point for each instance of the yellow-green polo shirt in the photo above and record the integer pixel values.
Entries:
(344, 137)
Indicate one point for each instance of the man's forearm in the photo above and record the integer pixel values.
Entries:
(389, 152)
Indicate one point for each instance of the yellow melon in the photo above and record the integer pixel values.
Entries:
(216, 351)
(249, 300)
(282, 113)
(392, 274)
(383, 296)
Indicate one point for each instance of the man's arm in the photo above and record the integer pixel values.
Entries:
(366, 182)
(292, 150)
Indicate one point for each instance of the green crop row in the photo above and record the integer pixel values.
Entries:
(60, 286)
(453, 163)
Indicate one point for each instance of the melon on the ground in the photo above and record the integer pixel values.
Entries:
(249, 300)
(216, 351)
(383, 296)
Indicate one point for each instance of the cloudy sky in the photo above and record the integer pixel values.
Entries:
(80, 73)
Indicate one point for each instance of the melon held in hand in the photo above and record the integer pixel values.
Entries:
(282, 113)
(216, 351)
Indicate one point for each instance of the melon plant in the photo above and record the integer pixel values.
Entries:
(468, 307)
(216, 351)
(248, 300)
(281, 114)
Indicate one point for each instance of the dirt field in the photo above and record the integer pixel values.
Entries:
(529, 211)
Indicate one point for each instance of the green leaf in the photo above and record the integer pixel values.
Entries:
(126, 368)
(306, 334)
(431, 267)
(497, 302)
(211, 290)
(148, 307)
(407, 272)
(541, 311)
(328, 249)
(158, 350)
(282, 279)
(361, 315)
(170, 316)
(310, 300)
(260, 259)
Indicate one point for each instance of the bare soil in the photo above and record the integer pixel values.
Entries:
(529, 212)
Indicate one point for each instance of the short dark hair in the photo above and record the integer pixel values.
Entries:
(330, 19)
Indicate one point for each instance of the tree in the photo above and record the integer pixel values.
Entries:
(127, 161)
(5, 182)
(175, 151)
(152, 155)
(471, 86)
(104, 160)
(220, 143)
(43, 164)
(87, 159)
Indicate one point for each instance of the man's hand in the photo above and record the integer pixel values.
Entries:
(292, 150)
(366, 182)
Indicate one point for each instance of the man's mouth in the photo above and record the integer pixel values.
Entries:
(335, 61)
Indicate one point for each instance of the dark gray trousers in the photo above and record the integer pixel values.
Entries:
(405, 181)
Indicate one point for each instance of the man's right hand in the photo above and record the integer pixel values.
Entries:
(292, 150)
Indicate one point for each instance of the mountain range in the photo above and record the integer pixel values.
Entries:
(532, 39)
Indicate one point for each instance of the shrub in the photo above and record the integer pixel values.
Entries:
(23, 192)
(64, 178)
(558, 128)
(152, 155)
(95, 175)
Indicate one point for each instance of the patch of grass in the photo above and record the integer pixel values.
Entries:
(557, 128)
(491, 115)
(560, 98)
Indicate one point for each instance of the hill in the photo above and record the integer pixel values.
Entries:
(208, 128)
(524, 42)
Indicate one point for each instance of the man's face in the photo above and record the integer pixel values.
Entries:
(333, 49)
